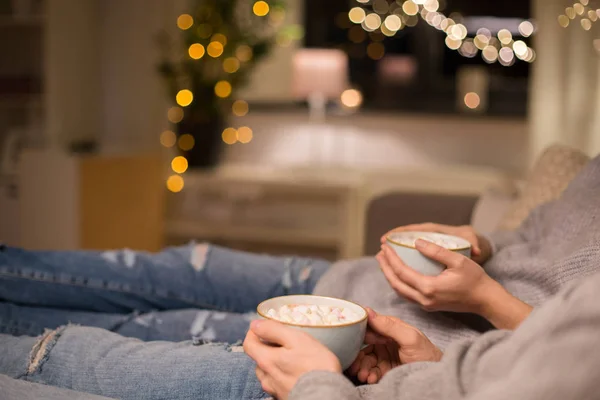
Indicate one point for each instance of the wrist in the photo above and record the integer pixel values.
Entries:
(501, 308)
(486, 296)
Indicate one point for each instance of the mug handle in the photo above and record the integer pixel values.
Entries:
(364, 346)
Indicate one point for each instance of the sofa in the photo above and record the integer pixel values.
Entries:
(503, 206)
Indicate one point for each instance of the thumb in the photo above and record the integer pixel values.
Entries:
(391, 327)
(275, 332)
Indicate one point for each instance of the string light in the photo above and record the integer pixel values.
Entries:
(196, 51)
(260, 8)
(186, 142)
(579, 10)
(184, 97)
(175, 183)
(351, 98)
(219, 37)
(229, 135)
(223, 89)
(175, 115)
(231, 65)
(388, 18)
(244, 135)
(168, 138)
(240, 108)
(179, 164)
(215, 49)
(244, 53)
(472, 100)
(185, 22)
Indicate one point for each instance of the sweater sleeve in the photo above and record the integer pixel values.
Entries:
(319, 385)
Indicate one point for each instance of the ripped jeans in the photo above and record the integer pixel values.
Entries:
(202, 292)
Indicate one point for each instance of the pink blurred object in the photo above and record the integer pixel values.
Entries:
(397, 69)
(321, 72)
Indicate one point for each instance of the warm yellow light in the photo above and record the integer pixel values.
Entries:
(219, 37)
(244, 53)
(584, 2)
(490, 54)
(229, 135)
(260, 8)
(351, 98)
(215, 49)
(179, 164)
(185, 21)
(586, 24)
(530, 57)
(240, 108)
(452, 43)
(357, 15)
(184, 97)
(244, 134)
(393, 23)
(186, 142)
(563, 21)
(431, 5)
(231, 65)
(204, 30)
(481, 41)
(387, 32)
(472, 100)
(592, 15)
(506, 54)
(168, 138)
(375, 50)
(579, 9)
(175, 183)
(520, 48)
(223, 89)
(175, 114)
(504, 36)
(410, 8)
(372, 21)
(570, 11)
(526, 28)
(196, 51)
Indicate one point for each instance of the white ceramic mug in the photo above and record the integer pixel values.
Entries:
(417, 261)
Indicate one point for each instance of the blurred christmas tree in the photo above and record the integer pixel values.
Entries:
(221, 42)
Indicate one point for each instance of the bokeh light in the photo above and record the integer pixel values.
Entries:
(175, 183)
(372, 21)
(229, 135)
(223, 89)
(240, 108)
(231, 65)
(186, 142)
(472, 100)
(410, 7)
(260, 8)
(357, 15)
(219, 37)
(490, 54)
(520, 48)
(179, 164)
(375, 50)
(244, 53)
(393, 23)
(196, 51)
(526, 28)
(184, 97)
(244, 134)
(215, 49)
(351, 98)
(168, 138)
(563, 21)
(185, 21)
(175, 114)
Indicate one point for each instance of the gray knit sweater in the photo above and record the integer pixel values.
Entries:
(557, 244)
(553, 355)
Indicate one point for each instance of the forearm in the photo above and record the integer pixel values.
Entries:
(319, 385)
(501, 308)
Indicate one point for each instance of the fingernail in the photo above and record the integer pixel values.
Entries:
(255, 324)
(421, 244)
(372, 314)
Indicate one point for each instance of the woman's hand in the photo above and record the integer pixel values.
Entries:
(392, 343)
(461, 287)
(481, 249)
(289, 355)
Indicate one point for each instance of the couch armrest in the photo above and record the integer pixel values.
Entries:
(397, 208)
